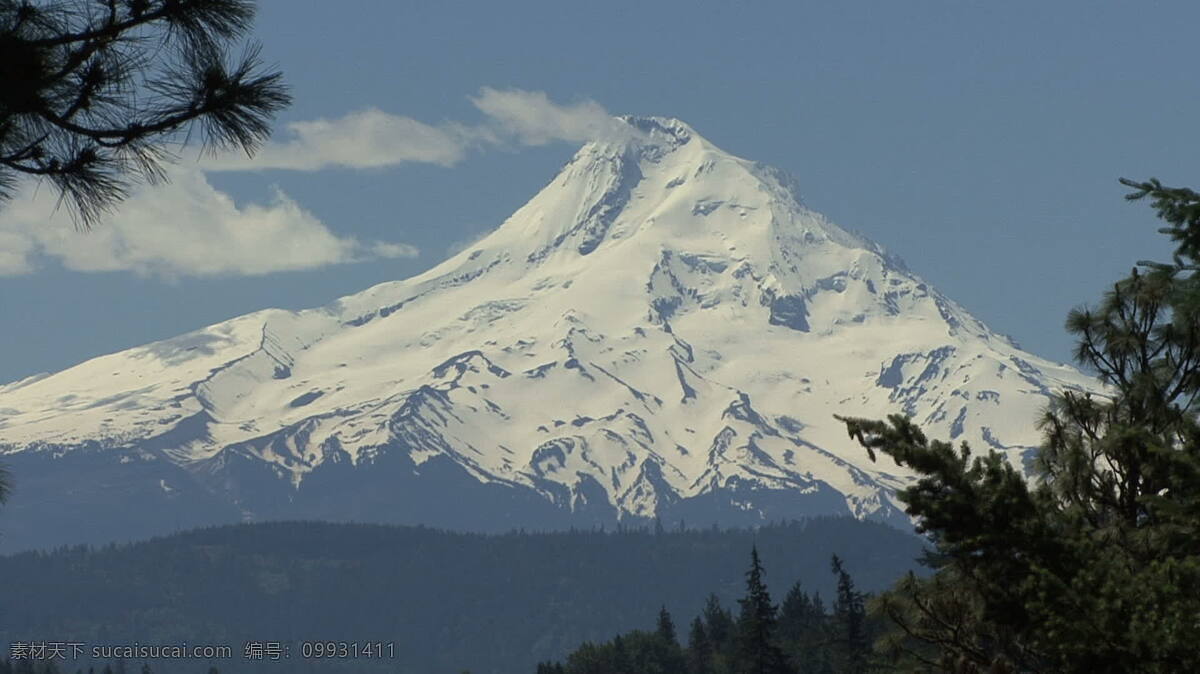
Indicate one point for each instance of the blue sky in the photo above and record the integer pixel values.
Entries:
(981, 142)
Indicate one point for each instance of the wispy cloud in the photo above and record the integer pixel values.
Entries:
(533, 119)
(365, 139)
(373, 138)
(16, 251)
(183, 228)
(187, 227)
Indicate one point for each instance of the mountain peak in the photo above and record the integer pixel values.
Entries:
(658, 185)
(663, 330)
(660, 130)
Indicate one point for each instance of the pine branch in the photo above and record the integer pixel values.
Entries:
(82, 118)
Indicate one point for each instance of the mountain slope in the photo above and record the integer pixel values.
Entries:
(664, 330)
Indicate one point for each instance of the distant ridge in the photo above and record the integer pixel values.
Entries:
(449, 602)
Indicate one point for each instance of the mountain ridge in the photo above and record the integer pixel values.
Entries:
(663, 325)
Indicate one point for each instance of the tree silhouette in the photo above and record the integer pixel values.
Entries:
(757, 652)
(95, 93)
(700, 649)
(851, 644)
(1096, 565)
(666, 626)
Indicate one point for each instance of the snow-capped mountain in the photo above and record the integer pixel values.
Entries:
(664, 330)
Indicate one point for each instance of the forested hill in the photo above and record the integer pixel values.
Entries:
(449, 601)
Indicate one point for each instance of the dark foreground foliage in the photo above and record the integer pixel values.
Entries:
(799, 636)
(1096, 566)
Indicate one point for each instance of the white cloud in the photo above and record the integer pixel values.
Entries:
(534, 119)
(373, 138)
(188, 228)
(183, 228)
(368, 138)
(16, 249)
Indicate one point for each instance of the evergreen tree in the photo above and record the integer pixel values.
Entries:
(1096, 565)
(666, 626)
(668, 655)
(590, 659)
(651, 654)
(5, 484)
(718, 622)
(803, 631)
(757, 652)
(700, 649)
(851, 644)
(92, 98)
(620, 660)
